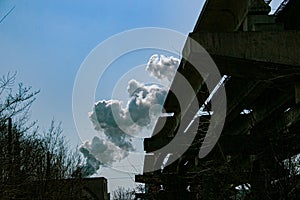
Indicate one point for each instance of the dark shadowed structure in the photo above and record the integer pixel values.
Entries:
(257, 154)
(79, 188)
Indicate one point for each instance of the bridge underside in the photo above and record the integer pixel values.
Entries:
(256, 154)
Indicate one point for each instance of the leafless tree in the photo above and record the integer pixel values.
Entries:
(122, 193)
(26, 154)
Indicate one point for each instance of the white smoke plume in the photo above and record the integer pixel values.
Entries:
(119, 122)
(162, 67)
(92, 164)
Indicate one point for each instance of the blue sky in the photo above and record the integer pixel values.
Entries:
(46, 42)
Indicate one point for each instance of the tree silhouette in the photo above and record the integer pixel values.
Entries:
(28, 156)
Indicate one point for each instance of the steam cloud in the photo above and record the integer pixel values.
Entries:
(162, 67)
(120, 123)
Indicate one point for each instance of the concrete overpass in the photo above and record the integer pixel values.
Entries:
(260, 55)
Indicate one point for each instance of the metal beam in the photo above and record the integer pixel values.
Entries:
(271, 102)
(280, 123)
(241, 96)
(256, 70)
